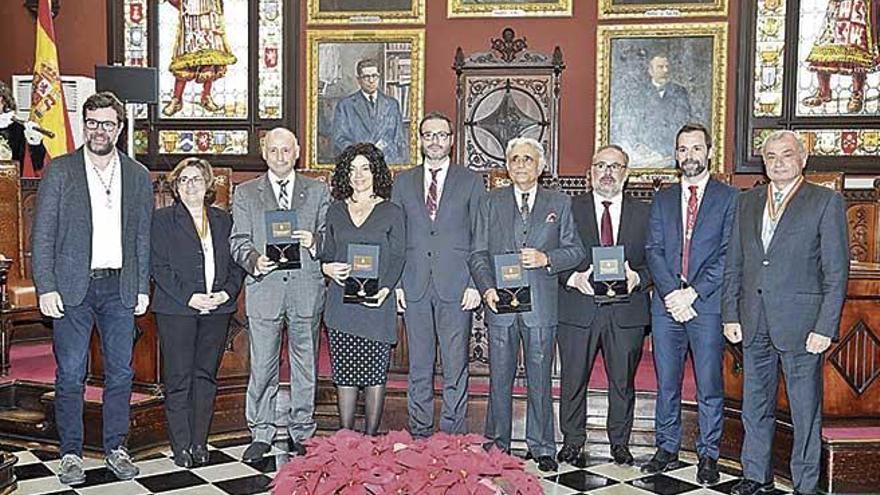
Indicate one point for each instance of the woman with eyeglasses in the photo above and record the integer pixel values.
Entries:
(362, 334)
(197, 284)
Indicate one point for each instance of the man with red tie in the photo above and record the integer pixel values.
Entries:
(604, 217)
(688, 233)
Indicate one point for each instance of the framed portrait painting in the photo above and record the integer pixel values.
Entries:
(509, 8)
(653, 79)
(622, 9)
(365, 12)
(364, 86)
(813, 67)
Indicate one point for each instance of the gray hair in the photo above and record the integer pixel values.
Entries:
(532, 142)
(778, 135)
(615, 147)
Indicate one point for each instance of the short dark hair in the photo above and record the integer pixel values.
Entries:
(694, 127)
(7, 101)
(435, 115)
(204, 166)
(616, 148)
(364, 63)
(341, 180)
(104, 99)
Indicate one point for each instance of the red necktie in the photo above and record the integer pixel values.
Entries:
(606, 236)
(431, 199)
(689, 230)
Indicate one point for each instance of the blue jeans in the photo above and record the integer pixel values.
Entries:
(102, 305)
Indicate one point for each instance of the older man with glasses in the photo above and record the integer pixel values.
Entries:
(604, 217)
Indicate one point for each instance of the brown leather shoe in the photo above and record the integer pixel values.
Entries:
(208, 104)
(172, 107)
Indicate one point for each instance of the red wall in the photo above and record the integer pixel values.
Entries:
(82, 40)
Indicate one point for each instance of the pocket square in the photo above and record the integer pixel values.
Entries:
(551, 217)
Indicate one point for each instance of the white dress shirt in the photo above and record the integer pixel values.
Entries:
(768, 226)
(208, 251)
(441, 178)
(518, 195)
(276, 188)
(106, 218)
(685, 196)
(614, 210)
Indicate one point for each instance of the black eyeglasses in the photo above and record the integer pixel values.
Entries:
(106, 125)
(440, 135)
(614, 167)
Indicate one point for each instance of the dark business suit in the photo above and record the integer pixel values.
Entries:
(500, 229)
(779, 296)
(703, 333)
(620, 327)
(435, 277)
(192, 343)
(62, 256)
(356, 121)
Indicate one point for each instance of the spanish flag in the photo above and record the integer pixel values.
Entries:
(47, 96)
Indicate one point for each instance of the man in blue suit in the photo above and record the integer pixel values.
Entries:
(370, 116)
(689, 229)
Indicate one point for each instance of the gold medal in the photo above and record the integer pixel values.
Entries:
(610, 292)
(514, 302)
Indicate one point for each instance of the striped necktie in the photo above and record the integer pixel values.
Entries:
(283, 198)
(431, 200)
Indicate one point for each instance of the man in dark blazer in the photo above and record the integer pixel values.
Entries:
(784, 287)
(604, 217)
(278, 298)
(536, 223)
(688, 234)
(91, 255)
(441, 202)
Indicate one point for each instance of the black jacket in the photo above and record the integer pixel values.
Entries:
(178, 263)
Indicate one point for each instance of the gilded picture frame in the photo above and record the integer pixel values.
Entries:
(509, 8)
(337, 111)
(640, 9)
(641, 107)
(349, 12)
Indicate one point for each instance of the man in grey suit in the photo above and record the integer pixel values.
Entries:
(91, 255)
(536, 223)
(784, 287)
(277, 297)
(441, 202)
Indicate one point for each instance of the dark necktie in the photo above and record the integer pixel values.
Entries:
(689, 230)
(606, 236)
(431, 199)
(524, 208)
(283, 199)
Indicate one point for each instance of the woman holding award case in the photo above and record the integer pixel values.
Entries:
(197, 284)
(363, 252)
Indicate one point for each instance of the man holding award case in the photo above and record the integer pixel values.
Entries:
(523, 229)
(282, 247)
(604, 302)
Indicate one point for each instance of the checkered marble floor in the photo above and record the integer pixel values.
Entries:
(226, 475)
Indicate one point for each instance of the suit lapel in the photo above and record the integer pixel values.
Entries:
(677, 227)
(537, 215)
(623, 233)
(127, 195)
(184, 221)
(299, 192)
(591, 228)
(81, 182)
(757, 216)
(267, 195)
(418, 188)
(449, 186)
(362, 107)
(787, 219)
(511, 217)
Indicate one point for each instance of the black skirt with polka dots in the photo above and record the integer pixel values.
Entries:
(357, 361)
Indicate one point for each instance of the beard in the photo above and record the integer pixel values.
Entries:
(100, 149)
(693, 168)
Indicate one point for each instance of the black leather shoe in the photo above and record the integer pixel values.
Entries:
(200, 455)
(255, 451)
(661, 461)
(749, 487)
(546, 463)
(707, 471)
(568, 453)
(183, 459)
(296, 448)
(621, 454)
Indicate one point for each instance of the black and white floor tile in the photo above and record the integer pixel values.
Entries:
(226, 475)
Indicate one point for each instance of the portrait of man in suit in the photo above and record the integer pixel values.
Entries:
(537, 224)
(278, 299)
(441, 201)
(688, 235)
(604, 217)
(784, 287)
(662, 107)
(91, 265)
(370, 116)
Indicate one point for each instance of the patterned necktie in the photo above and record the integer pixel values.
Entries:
(770, 227)
(606, 237)
(689, 230)
(431, 200)
(524, 208)
(283, 199)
